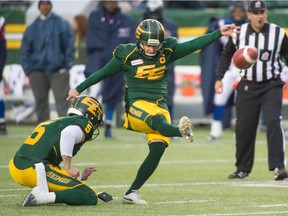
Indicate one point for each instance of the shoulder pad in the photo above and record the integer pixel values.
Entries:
(171, 42)
(123, 51)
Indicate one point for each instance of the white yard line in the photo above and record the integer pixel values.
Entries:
(180, 202)
(272, 205)
(201, 201)
(9, 195)
(270, 184)
(171, 202)
(242, 213)
(15, 189)
(164, 162)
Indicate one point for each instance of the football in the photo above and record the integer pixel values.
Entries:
(245, 57)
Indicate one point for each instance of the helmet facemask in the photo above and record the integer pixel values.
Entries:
(154, 43)
(96, 122)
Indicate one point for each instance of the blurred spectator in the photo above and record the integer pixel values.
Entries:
(80, 26)
(80, 29)
(154, 10)
(197, 4)
(47, 54)
(107, 28)
(16, 81)
(138, 4)
(238, 17)
(3, 55)
(11, 3)
(220, 106)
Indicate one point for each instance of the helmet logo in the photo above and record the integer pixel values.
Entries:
(139, 30)
(92, 105)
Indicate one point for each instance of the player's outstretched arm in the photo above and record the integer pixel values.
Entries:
(183, 49)
(112, 67)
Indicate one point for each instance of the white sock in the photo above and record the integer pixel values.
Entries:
(43, 197)
(41, 177)
(216, 128)
(50, 197)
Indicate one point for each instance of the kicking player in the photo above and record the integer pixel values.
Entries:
(146, 65)
(36, 163)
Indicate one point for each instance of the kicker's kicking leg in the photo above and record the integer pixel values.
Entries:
(184, 128)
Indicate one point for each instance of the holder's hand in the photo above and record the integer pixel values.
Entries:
(87, 172)
(73, 171)
(73, 93)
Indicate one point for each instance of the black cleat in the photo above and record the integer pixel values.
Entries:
(30, 200)
(212, 138)
(238, 175)
(108, 133)
(280, 174)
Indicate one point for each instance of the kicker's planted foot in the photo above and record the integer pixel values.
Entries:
(133, 198)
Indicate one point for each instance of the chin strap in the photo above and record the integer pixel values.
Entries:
(147, 54)
(150, 55)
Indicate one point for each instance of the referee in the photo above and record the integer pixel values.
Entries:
(259, 89)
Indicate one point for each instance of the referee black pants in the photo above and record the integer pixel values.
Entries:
(251, 99)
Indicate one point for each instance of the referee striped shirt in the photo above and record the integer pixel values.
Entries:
(272, 45)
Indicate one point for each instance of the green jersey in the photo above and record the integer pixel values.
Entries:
(43, 145)
(146, 79)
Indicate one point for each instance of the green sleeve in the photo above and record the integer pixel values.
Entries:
(112, 67)
(183, 49)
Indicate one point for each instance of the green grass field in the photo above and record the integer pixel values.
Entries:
(190, 180)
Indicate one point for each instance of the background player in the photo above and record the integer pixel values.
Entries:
(146, 65)
(238, 17)
(107, 28)
(36, 163)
